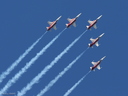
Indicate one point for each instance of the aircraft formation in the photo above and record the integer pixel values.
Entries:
(92, 24)
(94, 42)
(47, 68)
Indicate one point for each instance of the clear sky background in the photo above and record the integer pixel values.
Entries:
(22, 22)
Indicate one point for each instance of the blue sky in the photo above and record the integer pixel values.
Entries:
(23, 22)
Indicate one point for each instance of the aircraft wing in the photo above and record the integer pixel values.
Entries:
(55, 27)
(69, 19)
(90, 22)
(92, 39)
(98, 67)
(50, 22)
(95, 26)
(97, 44)
(94, 63)
(74, 24)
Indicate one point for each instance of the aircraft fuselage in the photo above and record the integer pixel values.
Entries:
(69, 24)
(52, 25)
(91, 25)
(98, 63)
(94, 42)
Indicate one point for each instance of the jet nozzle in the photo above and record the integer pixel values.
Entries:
(67, 25)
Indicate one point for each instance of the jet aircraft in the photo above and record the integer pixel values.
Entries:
(72, 21)
(95, 41)
(93, 23)
(96, 64)
(53, 24)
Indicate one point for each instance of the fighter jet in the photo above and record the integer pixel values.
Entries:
(72, 21)
(95, 41)
(53, 24)
(96, 64)
(93, 23)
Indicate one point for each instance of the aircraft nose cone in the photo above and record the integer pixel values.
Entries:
(101, 35)
(99, 17)
(78, 15)
(103, 57)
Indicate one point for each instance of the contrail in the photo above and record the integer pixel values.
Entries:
(52, 82)
(23, 70)
(74, 86)
(7, 72)
(46, 69)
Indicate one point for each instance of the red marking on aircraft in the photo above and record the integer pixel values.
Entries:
(53, 24)
(96, 64)
(72, 21)
(95, 41)
(93, 23)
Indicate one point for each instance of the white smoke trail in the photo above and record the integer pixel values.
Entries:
(7, 72)
(52, 82)
(74, 86)
(23, 70)
(46, 69)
